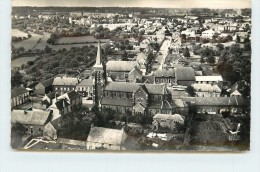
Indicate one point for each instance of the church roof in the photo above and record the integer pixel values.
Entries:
(121, 65)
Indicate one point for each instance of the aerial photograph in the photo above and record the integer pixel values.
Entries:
(128, 76)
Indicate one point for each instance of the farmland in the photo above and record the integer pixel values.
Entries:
(40, 41)
(79, 40)
(18, 62)
(28, 43)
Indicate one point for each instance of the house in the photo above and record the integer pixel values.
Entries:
(85, 87)
(208, 34)
(206, 90)
(119, 70)
(137, 98)
(213, 79)
(100, 138)
(50, 131)
(148, 79)
(64, 84)
(19, 95)
(215, 105)
(135, 75)
(185, 76)
(44, 87)
(66, 103)
(33, 120)
(168, 123)
(166, 76)
(47, 99)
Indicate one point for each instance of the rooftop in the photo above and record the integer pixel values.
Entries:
(106, 135)
(18, 91)
(121, 65)
(31, 117)
(65, 81)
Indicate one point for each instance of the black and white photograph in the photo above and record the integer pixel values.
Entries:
(130, 76)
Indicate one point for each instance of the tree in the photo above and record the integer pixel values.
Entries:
(16, 79)
(211, 59)
(186, 52)
(238, 39)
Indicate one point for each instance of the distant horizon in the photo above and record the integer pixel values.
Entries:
(212, 4)
(130, 7)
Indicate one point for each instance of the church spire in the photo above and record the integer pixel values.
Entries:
(98, 59)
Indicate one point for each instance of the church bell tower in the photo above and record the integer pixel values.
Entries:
(99, 77)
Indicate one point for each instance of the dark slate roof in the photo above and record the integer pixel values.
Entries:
(221, 101)
(73, 95)
(18, 91)
(47, 82)
(132, 87)
(85, 82)
(185, 74)
(52, 95)
(121, 65)
(30, 117)
(148, 79)
(157, 104)
(60, 104)
(165, 73)
(116, 101)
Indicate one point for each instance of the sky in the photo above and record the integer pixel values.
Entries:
(138, 3)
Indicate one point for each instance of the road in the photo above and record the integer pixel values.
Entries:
(161, 56)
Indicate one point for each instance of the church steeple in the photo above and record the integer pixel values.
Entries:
(98, 59)
(99, 77)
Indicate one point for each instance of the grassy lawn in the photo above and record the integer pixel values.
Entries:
(18, 62)
(80, 39)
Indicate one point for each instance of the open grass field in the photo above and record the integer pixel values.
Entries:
(28, 43)
(17, 62)
(80, 39)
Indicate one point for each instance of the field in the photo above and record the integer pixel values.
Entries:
(28, 43)
(15, 63)
(77, 40)
(40, 41)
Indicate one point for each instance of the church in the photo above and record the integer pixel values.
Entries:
(129, 97)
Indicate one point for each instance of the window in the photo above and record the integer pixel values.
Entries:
(65, 88)
(123, 95)
(114, 94)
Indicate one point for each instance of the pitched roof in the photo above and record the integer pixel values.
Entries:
(65, 81)
(106, 135)
(116, 101)
(185, 74)
(31, 117)
(159, 104)
(136, 70)
(174, 117)
(164, 73)
(60, 104)
(18, 91)
(132, 87)
(47, 82)
(148, 79)
(206, 88)
(121, 65)
(209, 78)
(220, 101)
(85, 82)
(73, 95)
